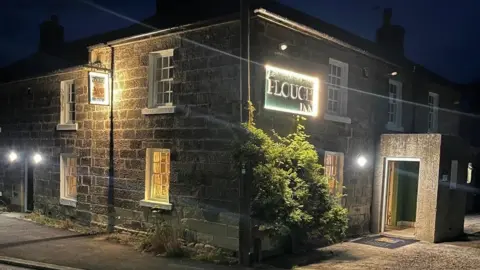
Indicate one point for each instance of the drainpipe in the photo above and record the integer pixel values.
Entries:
(414, 110)
(111, 207)
(245, 226)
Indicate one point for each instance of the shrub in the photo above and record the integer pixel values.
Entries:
(290, 194)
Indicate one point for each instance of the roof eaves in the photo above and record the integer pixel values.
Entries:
(158, 32)
(275, 18)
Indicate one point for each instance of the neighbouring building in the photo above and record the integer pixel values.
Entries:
(146, 121)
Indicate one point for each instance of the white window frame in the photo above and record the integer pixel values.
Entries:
(65, 199)
(432, 121)
(67, 106)
(149, 201)
(155, 107)
(395, 101)
(341, 90)
(338, 185)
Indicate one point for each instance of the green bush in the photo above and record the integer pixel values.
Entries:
(290, 193)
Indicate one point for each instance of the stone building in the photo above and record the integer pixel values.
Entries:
(147, 121)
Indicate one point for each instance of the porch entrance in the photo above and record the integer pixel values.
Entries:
(401, 196)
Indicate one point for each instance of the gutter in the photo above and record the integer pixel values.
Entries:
(282, 21)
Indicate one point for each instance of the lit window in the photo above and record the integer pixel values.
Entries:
(68, 179)
(337, 88)
(469, 173)
(432, 112)
(161, 78)
(157, 175)
(67, 106)
(394, 104)
(333, 165)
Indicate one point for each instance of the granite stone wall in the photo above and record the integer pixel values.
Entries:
(199, 134)
(29, 115)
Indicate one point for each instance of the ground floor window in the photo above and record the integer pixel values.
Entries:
(68, 177)
(157, 178)
(333, 164)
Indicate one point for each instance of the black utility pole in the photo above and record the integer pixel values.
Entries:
(245, 228)
(111, 170)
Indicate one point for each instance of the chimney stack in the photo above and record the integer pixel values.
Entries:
(51, 36)
(389, 36)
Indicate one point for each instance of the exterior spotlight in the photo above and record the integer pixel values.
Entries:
(394, 73)
(37, 158)
(283, 46)
(12, 156)
(361, 161)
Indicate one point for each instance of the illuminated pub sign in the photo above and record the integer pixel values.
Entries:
(99, 88)
(288, 91)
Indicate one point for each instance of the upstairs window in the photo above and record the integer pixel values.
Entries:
(161, 78)
(432, 112)
(67, 106)
(337, 88)
(394, 105)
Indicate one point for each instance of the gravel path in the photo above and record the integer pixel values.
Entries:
(415, 256)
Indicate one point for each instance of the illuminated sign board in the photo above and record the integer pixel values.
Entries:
(291, 92)
(99, 88)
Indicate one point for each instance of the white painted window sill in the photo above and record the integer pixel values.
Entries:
(65, 127)
(393, 127)
(159, 110)
(68, 202)
(337, 118)
(155, 204)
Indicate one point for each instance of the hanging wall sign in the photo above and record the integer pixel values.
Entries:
(291, 92)
(99, 88)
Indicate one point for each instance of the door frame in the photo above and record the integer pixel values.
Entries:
(28, 166)
(385, 182)
(25, 187)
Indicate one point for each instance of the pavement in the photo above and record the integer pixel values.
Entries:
(32, 246)
(52, 247)
(462, 254)
(9, 267)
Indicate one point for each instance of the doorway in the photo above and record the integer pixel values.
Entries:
(28, 187)
(400, 200)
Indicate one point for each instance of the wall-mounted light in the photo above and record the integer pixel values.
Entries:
(12, 157)
(283, 46)
(37, 158)
(394, 73)
(361, 161)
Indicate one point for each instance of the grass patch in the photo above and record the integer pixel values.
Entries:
(65, 224)
(165, 240)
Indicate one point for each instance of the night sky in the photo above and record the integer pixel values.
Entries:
(442, 35)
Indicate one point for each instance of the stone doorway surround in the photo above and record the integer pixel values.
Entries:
(440, 209)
